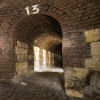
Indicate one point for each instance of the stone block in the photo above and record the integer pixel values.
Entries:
(95, 48)
(72, 84)
(21, 58)
(74, 93)
(76, 73)
(94, 88)
(26, 46)
(18, 44)
(25, 51)
(20, 50)
(21, 67)
(95, 81)
(87, 90)
(74, 88)
(21, 44)
(93, 63)
(92, 35)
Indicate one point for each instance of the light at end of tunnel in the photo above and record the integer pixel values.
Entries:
(59, 70)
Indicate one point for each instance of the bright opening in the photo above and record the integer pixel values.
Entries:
(44, 61)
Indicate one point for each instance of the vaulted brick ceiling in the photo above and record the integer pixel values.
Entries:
(42, 30)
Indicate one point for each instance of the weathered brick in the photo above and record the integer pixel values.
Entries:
(75, 93)
(73, 15)
(21, 68)
(79, 74)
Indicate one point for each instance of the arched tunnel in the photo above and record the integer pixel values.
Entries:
(38, 44)
(49, 49)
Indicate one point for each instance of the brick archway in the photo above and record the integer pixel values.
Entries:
(71, 39)
(42, 31)
(17, 15)
(74, 17)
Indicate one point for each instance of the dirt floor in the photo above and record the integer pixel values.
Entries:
(34, 86)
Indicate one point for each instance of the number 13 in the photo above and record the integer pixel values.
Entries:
(35, 9)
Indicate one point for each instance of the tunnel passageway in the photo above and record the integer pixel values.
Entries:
(39, 68)
(44, 40)
(38, 44)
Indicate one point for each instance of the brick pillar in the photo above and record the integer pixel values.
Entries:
(74, 51)
(30, 57)
(52, 59)
(41, 58)
(7, 52)
(22, 58)
(49, 59)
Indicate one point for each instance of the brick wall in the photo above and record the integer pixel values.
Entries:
(93, 62)
(22, 58)
(7, 69)
(74, 16)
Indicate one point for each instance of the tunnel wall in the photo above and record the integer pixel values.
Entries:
(75, 17)
(22, 58)
(58, 57)
(7, 65)
(30, 57)
(93, 62)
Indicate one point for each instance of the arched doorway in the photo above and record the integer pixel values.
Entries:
(38, 44)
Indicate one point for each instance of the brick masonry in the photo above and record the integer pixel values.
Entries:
(93, 63)
(74, 16)
(22, 58)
